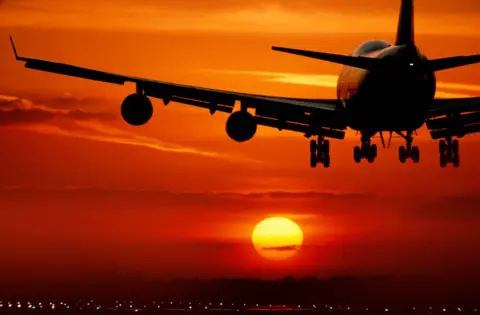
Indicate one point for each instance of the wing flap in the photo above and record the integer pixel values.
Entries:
(460, 132)
(303, 128)
(454, 117)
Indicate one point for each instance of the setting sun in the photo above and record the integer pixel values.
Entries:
(277, 238)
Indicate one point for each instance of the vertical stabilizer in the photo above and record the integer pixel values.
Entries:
(405, 31)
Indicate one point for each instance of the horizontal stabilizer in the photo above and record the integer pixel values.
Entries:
(357, 62)
(453, 62)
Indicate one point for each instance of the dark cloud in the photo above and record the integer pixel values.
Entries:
(282, 248)
(14, 110)
(297, 195)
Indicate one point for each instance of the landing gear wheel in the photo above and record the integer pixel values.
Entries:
(313, 160)
(443, 160)
(455, 146)
(442, 146)
(449, 152)
(415, 154)
(373, 151)
(326, 146)
(320, 152)
(357, 154)
(402, 154)
(456, 160)
(326, 161)
(313, 146)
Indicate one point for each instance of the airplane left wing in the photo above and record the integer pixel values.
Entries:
(323, 117)
(454, 117)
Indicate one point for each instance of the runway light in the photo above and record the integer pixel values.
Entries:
(206, 307)
(366, 309)
(444, 310)
(459, 309)
(386, 310)
(190, 307)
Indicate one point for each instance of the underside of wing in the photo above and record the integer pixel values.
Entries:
(454, 117)
(309, 116)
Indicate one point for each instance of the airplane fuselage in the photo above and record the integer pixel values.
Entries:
(394, 97)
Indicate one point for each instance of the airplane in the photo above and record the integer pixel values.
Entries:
(381, 88)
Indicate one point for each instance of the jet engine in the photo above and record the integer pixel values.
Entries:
(241, 126)
(137, 109)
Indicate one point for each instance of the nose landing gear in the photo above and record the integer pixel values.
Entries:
(320, 152)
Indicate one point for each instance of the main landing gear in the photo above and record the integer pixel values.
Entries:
(320, 152)
(408, 151)
(366, 151)
(449, 152)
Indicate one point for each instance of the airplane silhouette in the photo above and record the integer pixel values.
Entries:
(382, 88)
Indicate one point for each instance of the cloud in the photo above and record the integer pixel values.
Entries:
(24, 114)
(15, 110)
(282, 248)
(444, 89)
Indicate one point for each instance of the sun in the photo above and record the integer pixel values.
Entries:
(277, 238)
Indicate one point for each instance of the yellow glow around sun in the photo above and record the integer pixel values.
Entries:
(277, 238)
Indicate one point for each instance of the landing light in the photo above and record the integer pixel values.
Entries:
(412, 64)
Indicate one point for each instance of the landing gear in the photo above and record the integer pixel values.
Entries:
(320, 152)
(367, 151)
(449, 152)
(408, 151)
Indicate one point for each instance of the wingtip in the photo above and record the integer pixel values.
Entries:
(14, 48)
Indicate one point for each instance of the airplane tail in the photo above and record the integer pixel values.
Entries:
(406, 24)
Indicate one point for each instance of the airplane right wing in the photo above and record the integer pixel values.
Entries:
(454, 117)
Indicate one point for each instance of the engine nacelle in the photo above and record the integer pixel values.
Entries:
(137, 109)
(241, 126)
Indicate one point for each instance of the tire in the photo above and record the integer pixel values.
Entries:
(415, 154)
(313, 160)
(455, 146)
(326, 161)
(456, 160)
(442, 146)
(443, 160)
(326, 147)
(357, 154)
(313, 146)
(402, 154)
(373, 151)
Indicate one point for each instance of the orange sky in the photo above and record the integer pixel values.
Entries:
(77, 180)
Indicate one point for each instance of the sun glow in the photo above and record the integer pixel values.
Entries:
(277, 238)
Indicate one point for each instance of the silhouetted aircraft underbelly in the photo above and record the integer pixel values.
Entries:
(386, 99)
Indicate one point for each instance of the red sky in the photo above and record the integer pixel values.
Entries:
(86, 192)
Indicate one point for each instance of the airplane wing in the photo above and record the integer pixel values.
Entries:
(454, 117)
(323, 117)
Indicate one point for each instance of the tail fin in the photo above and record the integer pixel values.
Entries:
(406, 29)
